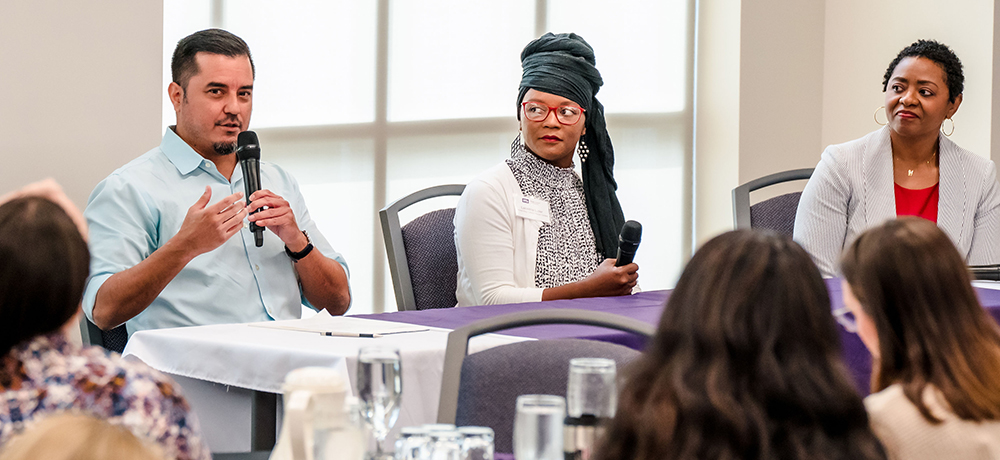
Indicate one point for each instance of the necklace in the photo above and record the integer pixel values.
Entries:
(909, 172)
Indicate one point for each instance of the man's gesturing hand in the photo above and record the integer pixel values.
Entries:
(207, 227)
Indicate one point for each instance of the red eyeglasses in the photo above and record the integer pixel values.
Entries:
(567, 114)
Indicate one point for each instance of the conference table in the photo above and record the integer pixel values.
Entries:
(232, 373)
(648, 307)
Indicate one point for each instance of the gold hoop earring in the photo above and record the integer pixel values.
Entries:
(949, 133)
(875, 115)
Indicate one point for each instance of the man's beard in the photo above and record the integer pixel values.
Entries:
(224, 148)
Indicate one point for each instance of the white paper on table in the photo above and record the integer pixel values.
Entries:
(323, 322)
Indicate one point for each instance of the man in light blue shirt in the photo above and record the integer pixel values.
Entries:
(169, 245)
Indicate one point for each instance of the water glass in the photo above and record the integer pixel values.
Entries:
(439, 427)
(414, 443)
(477, 443)
(590, 389)
(538, 427)
(380, 388)
(446, 445)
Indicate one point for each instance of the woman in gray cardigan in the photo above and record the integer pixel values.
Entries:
(909, 167)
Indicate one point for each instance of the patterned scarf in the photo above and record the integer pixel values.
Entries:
(566, 249)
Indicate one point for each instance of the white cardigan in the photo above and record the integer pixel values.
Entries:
(851, 190)
(496, 248)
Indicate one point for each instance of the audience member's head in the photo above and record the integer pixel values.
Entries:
(50, 189)
(72, 436)
(745, 364)
(43, 266)
(916, 311)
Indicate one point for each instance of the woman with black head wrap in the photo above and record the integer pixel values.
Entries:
(530, 229)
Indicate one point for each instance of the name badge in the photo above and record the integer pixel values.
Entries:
(532, 208)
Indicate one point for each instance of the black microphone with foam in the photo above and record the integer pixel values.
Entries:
(248, 153)
(628, 242)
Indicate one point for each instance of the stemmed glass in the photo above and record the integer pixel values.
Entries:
(380, 386)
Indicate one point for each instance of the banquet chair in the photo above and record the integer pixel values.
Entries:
(113, 340)
(777, 213)
(422, 259)
(481, 389)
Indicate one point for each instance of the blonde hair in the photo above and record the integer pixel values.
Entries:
(75, 436)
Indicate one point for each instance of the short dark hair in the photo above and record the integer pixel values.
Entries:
(183, 65)
(915, 286)
(44, 264)
(941, 55)
(745, 364)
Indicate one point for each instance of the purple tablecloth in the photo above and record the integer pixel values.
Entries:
(646, 306)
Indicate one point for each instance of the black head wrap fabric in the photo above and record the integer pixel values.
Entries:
(564, 65)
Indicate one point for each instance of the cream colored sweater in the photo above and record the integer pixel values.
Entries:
(907, 435)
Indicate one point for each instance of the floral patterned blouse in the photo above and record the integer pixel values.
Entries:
(48, 374)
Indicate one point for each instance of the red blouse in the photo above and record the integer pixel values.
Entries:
(921, 202)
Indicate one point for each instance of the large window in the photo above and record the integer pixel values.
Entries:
(348, 99)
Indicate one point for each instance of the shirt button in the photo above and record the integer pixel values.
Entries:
(256, 267)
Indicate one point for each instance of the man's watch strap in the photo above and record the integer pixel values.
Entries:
(297, 256)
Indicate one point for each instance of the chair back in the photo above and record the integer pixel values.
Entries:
(777, 213)
(493, 379)
(422, 259)
(481, 389)
(113, 340)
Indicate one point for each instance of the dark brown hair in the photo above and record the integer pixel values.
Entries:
(913, 283)
(183, 65)
(745, 364)
(44, 264)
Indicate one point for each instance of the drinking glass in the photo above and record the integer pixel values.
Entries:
(538, 427)
(477, 442)
(414, 443)
(380, 386)
(590, 389)
(446, 444)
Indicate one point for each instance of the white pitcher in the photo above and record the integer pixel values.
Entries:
(315, 426)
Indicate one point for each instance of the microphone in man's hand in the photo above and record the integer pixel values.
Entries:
(248, 153)
(628, 242)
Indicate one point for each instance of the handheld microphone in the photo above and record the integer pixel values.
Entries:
(628, 242)
(248, 153)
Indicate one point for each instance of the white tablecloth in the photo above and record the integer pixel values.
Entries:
(209, 359)
(994, 285)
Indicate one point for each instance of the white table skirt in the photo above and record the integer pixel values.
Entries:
(210, 359)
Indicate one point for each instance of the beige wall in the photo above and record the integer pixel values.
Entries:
(717, 116)
(758, 99)
(781, 76)
(82, 85)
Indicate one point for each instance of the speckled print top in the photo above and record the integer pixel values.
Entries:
(566, 249)
(47, 375)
